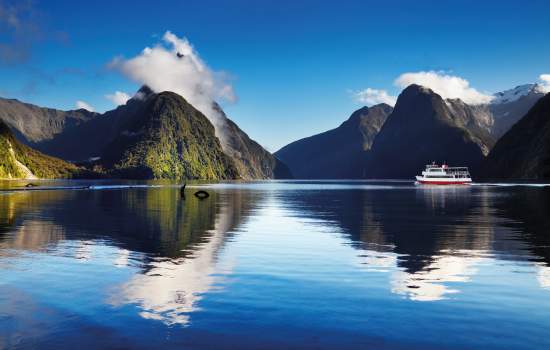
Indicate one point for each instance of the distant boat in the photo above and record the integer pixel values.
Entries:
(444, 175)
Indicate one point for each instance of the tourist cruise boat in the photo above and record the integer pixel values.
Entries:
(444, 175)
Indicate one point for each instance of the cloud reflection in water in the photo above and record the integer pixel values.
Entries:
(170, 289)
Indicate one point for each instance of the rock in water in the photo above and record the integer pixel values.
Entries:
(202, 194)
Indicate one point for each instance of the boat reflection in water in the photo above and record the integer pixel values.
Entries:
(435, 244)
(455, 258)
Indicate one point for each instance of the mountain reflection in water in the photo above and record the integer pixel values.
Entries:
(275, 264)
(170, 288)
(176, 240)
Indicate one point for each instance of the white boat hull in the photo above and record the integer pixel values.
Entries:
(443, 181)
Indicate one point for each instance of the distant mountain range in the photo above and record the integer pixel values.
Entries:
(42, 128)
(160, 135)
(510, 106)
(423, 127)
(339, 153)
(154, 135)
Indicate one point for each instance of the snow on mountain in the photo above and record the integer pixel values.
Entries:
(516, 93)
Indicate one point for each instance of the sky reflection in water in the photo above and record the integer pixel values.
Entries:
(277, 264)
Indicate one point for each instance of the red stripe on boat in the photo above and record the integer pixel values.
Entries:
(444, 182)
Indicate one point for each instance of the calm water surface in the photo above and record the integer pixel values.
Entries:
(276, 265)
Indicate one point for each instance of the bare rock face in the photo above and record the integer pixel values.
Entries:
(497, 117)
(511, 105)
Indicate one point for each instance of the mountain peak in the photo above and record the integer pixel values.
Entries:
(382, 106)
(372, 111)
(418, 97)
(144, 92)
(358, 114)
(340, 152)
(415, 88)
(424, 127)
(516, 93)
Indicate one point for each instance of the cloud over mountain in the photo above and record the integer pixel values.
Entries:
(545, 79)
(118, 98)
(371, 97)
(83, 105)
(174, 65)
(448, 86)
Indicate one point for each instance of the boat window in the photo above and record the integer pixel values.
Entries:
(440, 176)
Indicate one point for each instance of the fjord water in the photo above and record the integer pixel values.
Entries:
(272, 265)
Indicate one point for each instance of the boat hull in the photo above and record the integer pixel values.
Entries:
(441, 181)
(426, 182)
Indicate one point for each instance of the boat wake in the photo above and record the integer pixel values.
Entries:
(510, 184)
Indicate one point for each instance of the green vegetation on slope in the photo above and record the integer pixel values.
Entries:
(167, 138)
(20, 161)
(78, 136)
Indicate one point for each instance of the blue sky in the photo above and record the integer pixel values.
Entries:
(292, 64)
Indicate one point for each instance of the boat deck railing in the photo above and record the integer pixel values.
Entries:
(457, 170)
(463, 171)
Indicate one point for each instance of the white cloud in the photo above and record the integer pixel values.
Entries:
(174, 65)
(83, 105)
(448, 86)
(371, 97)
(545, 79)
(118, 98)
